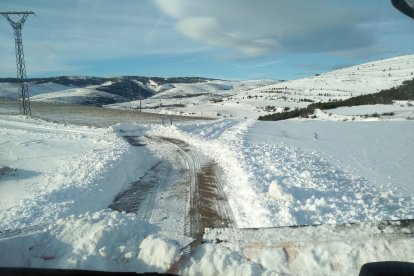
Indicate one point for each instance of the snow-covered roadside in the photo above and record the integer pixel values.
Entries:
(275, 174)
(308, 172)
(105, 241)
(379, 151)
(112, 241)
(321, 172)
(218, 140)
(345, 178)
(312, 250)
(61, 170)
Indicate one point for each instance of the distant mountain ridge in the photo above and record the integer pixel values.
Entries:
(201, 96)
(88, 89)
(82, 81)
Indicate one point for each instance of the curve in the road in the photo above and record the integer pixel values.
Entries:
(206, 205)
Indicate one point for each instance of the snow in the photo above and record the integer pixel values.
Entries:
(113, 241)
(157, 251)
(276, 192)
(60, 169)
(109, 241)
(402, 110)
(316, 250)
(339, 177)
(9, 90)
(337, 169)
(253, 98)
(209, 99)
(221, 147)
(275, 174)
(211, 259)
(195, 89)
(356, 80)
(73, 95)
(379, 151)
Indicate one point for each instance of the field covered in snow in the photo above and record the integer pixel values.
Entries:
(63, 171)
(275, 174)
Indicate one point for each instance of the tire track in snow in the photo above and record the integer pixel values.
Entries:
(208, 207)
(206, 204)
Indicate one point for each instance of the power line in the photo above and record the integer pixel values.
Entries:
(21, 66)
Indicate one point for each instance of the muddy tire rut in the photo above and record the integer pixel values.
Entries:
(207, 205)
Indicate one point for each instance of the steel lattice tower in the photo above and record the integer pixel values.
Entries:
(21, 67)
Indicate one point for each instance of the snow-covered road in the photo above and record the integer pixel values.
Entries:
(182, 192)
(270, 174)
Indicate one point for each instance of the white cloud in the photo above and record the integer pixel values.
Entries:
(256, 28)
(209, 30)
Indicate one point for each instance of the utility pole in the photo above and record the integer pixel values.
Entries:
(140, 98)
(21, 67)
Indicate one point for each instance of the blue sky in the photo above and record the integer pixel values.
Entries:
(229, 39)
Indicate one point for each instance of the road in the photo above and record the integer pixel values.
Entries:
(182, 192)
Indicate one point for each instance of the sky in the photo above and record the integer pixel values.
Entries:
(227, 39)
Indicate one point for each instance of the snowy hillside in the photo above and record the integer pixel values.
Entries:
(92, 90)
(87, 95)
(255, 98)
(9, 90)
(213, 98)
(344, 83)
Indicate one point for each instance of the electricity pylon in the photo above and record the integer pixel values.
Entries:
(21, 67)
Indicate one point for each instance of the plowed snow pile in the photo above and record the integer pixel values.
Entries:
(61, 170)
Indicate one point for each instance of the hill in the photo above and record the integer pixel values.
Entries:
(90, 90)
(404, 92)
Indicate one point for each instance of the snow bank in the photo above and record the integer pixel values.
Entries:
(158, 252)
(107, 241)
(312, 250)
(112, 241)
(353, 172)
(276, 192)
(220, 141)
(62, 170)
(214, 259)
(277, 175)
